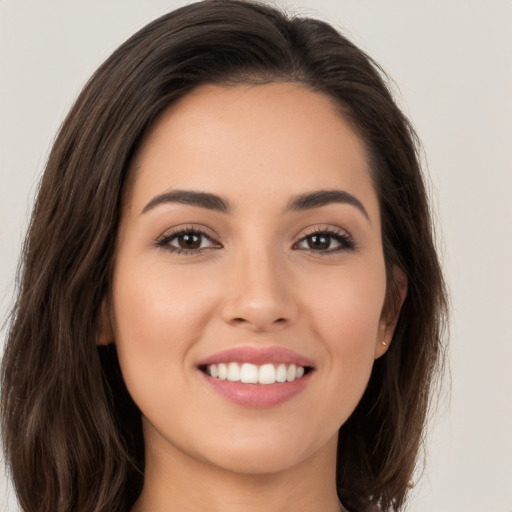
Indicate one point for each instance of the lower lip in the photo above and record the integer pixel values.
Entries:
(257, 395)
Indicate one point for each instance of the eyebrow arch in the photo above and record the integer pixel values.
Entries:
(320, 198)
(192, 198)
(307, 201)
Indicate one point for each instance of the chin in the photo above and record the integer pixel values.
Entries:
(261, 463)
(269, 455)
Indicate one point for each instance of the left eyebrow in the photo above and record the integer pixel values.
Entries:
(192, 198)
(320, 198)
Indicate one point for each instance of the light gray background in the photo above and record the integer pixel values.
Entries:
(451, 61)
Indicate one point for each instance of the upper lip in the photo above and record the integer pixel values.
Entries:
(257, 356)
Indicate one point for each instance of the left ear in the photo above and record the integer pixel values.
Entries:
(395, 296)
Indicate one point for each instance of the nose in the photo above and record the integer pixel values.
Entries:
(260, 295)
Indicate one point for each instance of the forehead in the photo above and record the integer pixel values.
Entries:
(250, 140)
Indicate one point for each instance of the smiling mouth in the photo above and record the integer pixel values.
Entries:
(248, 373)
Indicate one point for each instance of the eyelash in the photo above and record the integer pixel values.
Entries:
(346, 242)
(165, 239)
(342, 237)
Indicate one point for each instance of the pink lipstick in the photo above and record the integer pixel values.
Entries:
(257, 376)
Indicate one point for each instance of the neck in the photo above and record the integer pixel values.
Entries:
(176, 482)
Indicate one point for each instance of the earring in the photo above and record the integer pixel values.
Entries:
(383, 342)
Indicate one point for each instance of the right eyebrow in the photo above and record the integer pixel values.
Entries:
(192, 198)
(321, 198)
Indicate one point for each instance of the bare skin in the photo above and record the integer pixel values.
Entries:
(257, 275)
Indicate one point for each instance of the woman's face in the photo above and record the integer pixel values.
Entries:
(250, 243)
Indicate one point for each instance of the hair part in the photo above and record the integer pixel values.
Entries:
(72, 435)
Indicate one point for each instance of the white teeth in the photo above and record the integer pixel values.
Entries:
(291, 374)
(223, 371)
(281, 373)
(233, 372)
(267, 374)
(249, 373)
(252, 374)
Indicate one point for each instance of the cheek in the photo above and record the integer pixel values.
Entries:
(345, 314)
(154, 305)
(158, 316)
(349, 296)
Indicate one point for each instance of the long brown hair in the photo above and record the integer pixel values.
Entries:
(72, 436)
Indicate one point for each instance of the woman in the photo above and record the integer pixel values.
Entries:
(230, 296)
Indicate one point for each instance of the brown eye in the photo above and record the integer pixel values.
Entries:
(319, 242)
(187, 242)
(327, 242)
